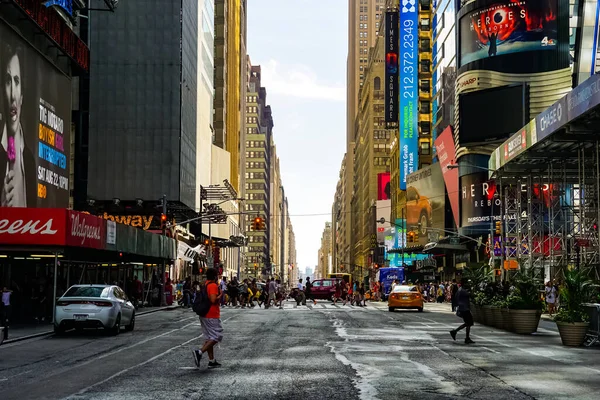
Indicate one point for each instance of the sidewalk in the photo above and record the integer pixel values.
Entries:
(29, 331)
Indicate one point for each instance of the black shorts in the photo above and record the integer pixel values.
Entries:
(467, 317)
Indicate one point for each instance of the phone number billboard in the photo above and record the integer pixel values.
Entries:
(409, 92)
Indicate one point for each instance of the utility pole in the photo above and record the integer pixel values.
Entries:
(163, 297)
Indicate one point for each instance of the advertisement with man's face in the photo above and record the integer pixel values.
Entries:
(35, 123)
(425, 202)
(509, 26)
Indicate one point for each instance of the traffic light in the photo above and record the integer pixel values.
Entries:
(416, 236)
(255, 266)
(163, 221)
(257, 224)
(206, 242)
(263, 225)
(498, 228)
(410, 237)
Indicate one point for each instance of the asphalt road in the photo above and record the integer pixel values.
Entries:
(321, 352)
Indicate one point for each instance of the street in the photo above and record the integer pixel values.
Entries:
(314, 352)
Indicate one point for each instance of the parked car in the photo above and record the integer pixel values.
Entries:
(405, 296)
(94, 306)
(323, 289)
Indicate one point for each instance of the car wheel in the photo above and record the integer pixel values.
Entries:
(116, 329)
(391, 309)
(420, 309)
(423, 223)
(131, 325)
(58, 330)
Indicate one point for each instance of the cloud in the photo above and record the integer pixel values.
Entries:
(298, 81)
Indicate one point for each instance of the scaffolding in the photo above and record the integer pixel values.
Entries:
(550, 209)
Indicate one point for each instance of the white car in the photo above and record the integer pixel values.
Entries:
(94, 306)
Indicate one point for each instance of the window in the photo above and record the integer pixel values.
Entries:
(377, 83)
(316, 284)
(327, 284)
(425, 5)
(425, 66)
(424, 107)
(411, 194)
(425, 127)
(425, 45)
(424, 85)
(425, 26)
(425, 148)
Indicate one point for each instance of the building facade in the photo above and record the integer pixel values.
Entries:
(230, 64)
(259, 127)
(325, 261)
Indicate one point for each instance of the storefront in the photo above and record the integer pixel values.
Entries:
(43, 251)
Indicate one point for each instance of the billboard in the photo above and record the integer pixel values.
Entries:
(481, 109)
(391, 67)
(383, 186)
(425, 203)
(479, 205)
(508, 26)
(35, 121)
(409, 61)
(444, 146)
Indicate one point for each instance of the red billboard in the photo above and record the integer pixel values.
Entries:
(444, 147)
(32, 226)
(85, 230)
(383, 186)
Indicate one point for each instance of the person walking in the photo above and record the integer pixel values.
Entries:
(464, 312)
(300, 296)
(272, 292)
(212, 329)
(224, 291)
(550, 291)
(308, 291)
(453, 290)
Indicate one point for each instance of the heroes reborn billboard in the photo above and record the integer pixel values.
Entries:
(35, 121)
(508, 26)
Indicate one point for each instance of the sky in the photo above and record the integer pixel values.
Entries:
(302, 48)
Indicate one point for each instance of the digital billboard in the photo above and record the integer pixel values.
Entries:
(492, 114)
(409, 93)
(391, 67)
(505, 27)
(383, 186)
(479, 204)
(425, 203)
(35, 119)
(444, 145)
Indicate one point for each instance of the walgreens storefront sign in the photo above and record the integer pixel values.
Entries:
(32, 226)
(50, 227)
(85, 230)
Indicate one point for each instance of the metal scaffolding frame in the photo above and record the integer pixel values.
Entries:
(551, 210)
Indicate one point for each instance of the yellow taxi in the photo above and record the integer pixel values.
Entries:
(405, 296)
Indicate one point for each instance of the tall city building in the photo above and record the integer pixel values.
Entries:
(364, 18)
(290, 252)
(371, 156)
(259, 127)
(150, 108)
(277, 207)
(230, 65)
(324, 264)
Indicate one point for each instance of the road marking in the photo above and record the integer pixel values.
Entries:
(117, 374)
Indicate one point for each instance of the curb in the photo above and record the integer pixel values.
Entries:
(47, 333)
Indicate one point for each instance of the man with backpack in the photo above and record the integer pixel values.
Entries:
(206, 305)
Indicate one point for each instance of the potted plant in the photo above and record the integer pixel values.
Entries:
(524, 303)
(572, 320)
(477, 275)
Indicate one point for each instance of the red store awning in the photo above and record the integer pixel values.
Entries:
(51, 227)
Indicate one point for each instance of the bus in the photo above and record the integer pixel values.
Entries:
(339, 275)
